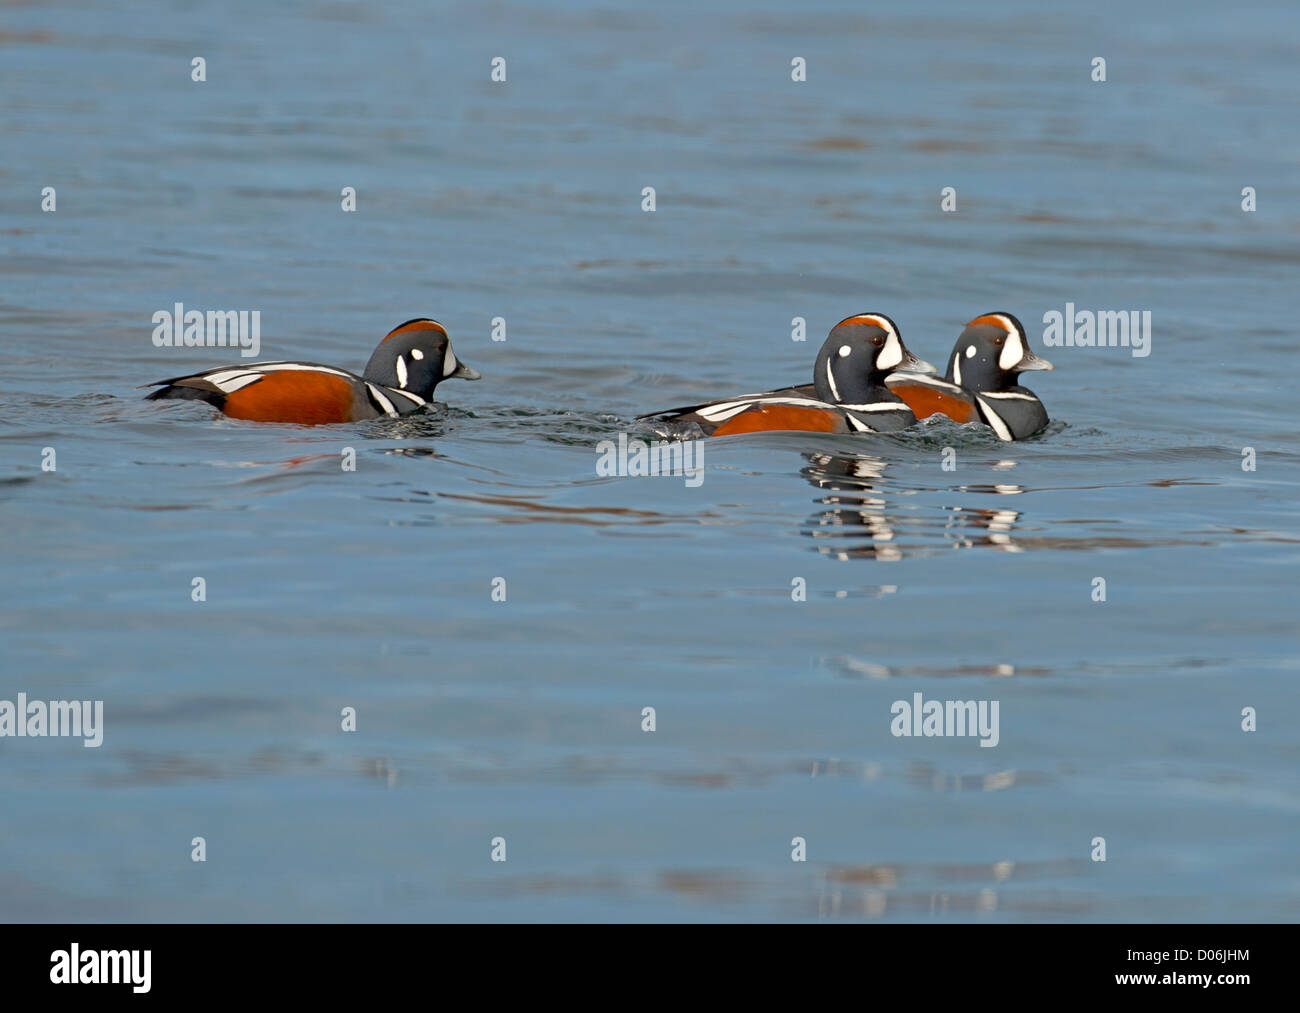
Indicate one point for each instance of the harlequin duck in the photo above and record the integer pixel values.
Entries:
(980, 384)
(847, 395)
(399, 379)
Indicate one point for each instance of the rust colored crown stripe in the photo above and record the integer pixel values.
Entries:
(417, 325)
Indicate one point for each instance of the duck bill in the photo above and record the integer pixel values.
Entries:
(912, 364)
(1032, 361)
(464, 372)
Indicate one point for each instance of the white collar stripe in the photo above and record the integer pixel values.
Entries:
(383, 401)
(933, 381)
(995, 421)
(413, 398)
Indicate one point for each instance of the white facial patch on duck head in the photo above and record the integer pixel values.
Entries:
(892, 354)
(1012, 352)
(416, 354)
(449, 362)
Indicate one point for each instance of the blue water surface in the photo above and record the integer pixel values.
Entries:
(522, 719)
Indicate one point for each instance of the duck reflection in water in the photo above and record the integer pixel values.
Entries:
(862, 516)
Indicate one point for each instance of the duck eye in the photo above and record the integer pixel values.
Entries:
(999, 340)
(877, 341)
